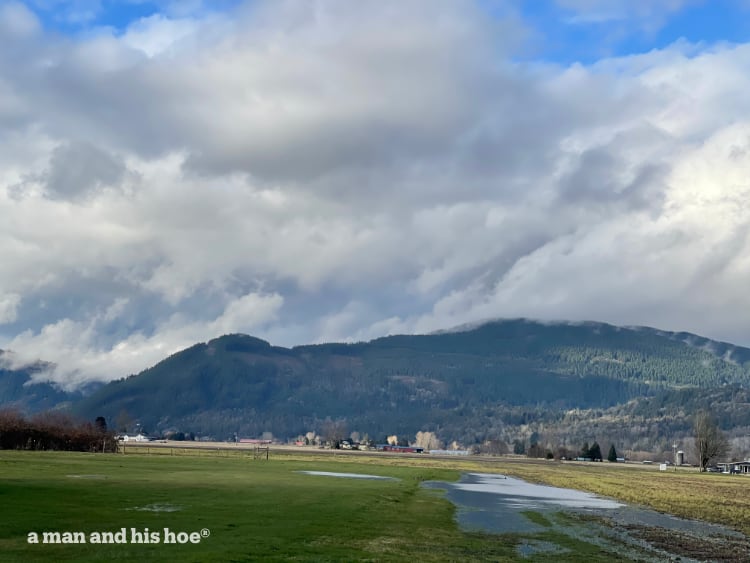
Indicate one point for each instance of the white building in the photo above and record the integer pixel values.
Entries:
(136, 438)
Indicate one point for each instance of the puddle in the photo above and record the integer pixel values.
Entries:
(156, 508)
(499, 504)
(521, 494)
(495, 503)
(348, 475)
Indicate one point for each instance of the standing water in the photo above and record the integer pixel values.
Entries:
(496, 503)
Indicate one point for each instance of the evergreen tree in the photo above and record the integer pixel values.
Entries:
(612, 455)
(595, 452)
(101, 424)
(585, 451)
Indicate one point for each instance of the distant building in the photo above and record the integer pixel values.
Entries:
(736, 467)
(136, 438)
(399, 449)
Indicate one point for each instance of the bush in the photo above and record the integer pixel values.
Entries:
(53, 431)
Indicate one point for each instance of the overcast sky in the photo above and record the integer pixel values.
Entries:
(309, 171)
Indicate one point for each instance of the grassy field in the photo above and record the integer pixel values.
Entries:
(265, 510)
(717, 498)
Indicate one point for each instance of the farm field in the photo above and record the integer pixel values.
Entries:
(267, 510)
(683, 492)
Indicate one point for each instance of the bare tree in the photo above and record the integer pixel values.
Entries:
(334, 431)
(710, 442)
(428, 441)
(52, 431)
(495, 447)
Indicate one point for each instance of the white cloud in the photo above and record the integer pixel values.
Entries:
(317, 171)
(16, 20)
(9, 307)
(158, 35)
(80, 357)
(246, 313)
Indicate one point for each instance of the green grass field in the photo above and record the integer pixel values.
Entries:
(255, 510)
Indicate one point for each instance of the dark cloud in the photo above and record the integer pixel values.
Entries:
(77, 169)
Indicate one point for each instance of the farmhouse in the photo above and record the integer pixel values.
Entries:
(136, 438)
(736, 467)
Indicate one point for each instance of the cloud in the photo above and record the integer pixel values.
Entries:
(17, 21)
(80, 358)
(9, 307)
(77, 169)
(684, 268)
(322, 171)
(157, 35)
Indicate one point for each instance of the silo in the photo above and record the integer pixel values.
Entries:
(679, 458)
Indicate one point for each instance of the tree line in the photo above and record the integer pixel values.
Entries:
(54, 431)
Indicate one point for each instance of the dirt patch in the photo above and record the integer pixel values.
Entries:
(532, 548)
(705, 548)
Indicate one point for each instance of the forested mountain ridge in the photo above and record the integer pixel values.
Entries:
(19, 391)
(466, 383)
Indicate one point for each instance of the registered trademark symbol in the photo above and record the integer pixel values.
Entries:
(205, 532)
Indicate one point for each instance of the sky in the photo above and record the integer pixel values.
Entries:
(325, 170)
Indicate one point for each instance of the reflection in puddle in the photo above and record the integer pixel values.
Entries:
(496, 503)
(519, 494)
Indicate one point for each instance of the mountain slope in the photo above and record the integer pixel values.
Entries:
(18, 392)
(464, 382)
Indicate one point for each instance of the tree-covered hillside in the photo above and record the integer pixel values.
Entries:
(18, 392)
(465, 383)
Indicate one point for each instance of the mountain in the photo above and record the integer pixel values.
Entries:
(18, 391)
(469, 384)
